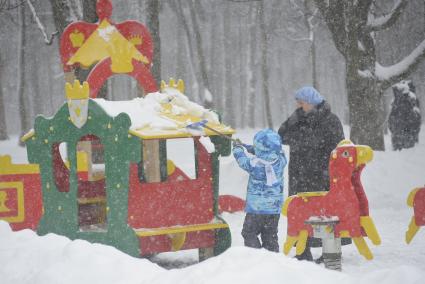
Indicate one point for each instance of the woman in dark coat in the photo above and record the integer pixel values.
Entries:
(311, 132)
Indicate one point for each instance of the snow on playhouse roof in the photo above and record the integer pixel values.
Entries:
(164, 115)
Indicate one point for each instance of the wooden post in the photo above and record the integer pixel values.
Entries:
(151, 162)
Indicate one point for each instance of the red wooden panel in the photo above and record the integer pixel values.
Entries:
(171, 203)
(30, 198)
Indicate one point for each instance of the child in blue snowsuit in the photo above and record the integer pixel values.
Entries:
(264, 161)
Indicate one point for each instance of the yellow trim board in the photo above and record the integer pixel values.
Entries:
(8, 168)
(28, 135)
(19, 186)
(179, 229)
(311, 194)
(170, 134)
(91, 200)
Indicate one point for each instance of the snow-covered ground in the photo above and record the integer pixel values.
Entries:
(28, 258)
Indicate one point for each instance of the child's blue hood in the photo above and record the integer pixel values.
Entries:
(267, 144)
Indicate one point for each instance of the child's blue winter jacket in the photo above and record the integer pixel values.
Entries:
(265, 168)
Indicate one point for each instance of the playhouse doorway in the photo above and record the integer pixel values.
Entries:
(92, 203)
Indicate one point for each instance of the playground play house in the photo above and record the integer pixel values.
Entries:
(99, 170)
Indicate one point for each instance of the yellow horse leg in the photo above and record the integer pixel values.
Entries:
(289, 243)
(302, 241)
(412, 230)
(367, 223)
(363, 248)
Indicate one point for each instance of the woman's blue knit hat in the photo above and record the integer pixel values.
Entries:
(309, 95)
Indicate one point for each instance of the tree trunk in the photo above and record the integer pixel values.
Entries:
(178, 8)
(214, 57)
(252, 79)
(242, 78)
(229, 111)
(180, 54)
(307, 19)
(61, 14)
(89, 11)
(3, 125)
(152, 21)
(366, 110)
(204, 85)
(23, 101)
(38, 102)
(264, 66)
(353, 28)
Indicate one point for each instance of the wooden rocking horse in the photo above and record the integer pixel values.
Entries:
(346, 200)
(416, 200)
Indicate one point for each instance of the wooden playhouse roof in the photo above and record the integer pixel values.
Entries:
(165, 115)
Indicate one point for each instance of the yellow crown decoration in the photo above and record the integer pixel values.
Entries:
(77, 38)
(77, 91)
(121, 53)
(136, 40)
(172, 84)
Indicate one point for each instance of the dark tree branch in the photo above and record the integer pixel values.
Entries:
(386, 21)
(47, 39)
(333, 13)
(6, 5)
(401, 70)
(61, 13)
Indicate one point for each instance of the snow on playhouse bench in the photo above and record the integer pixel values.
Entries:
(416, 199)
(345, 200)
(99, 169)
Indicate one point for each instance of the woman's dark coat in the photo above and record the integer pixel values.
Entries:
(311, 138)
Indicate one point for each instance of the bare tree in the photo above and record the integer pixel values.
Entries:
(6, 5)
(229, 107)
(48, 39)
(153, 10)
(195, 8)
(264, 64)
(23, 101)
(61, 14)
(353, 26)
(252, 63)
(201, 77)
(3, 125)
(304, 19)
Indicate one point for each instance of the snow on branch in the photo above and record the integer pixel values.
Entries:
(47, 40)
(403, 68)
(385, 21)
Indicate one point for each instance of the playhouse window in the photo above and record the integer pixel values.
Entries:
(90, 158)
(60, 166)
(91, 184)
(183, 155)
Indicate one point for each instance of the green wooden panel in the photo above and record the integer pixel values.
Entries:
(120, 149)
